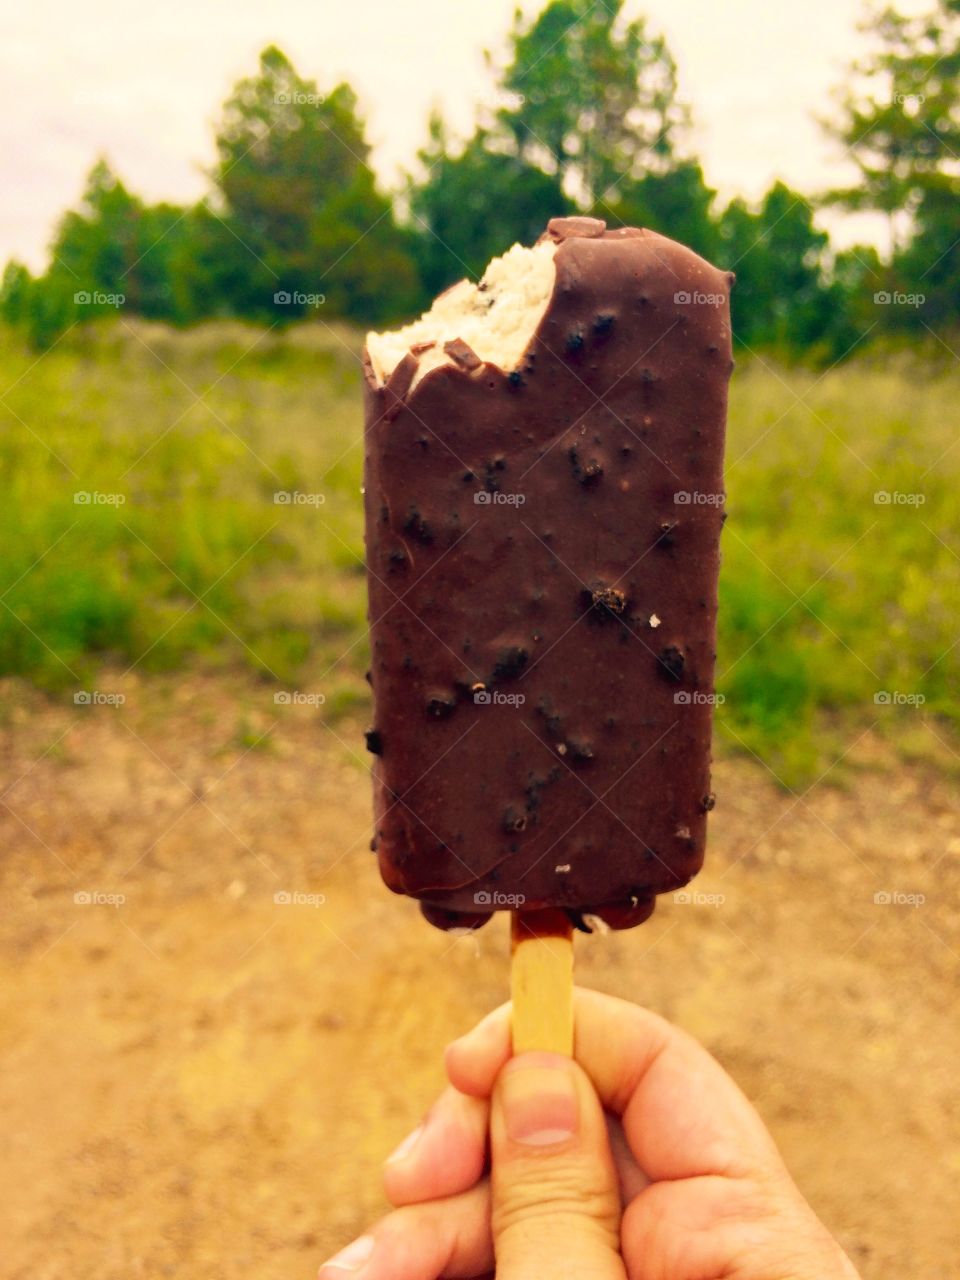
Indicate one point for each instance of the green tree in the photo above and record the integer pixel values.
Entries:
(677, 203)
(295, 211)
(589, 96)
(900, 120)
(784, 296)
(116, 244)
(929, 265)
(475, 202)
(900, 117)
(297, 192)
(111, 255)
(857, 275)
(210, 269)
(16, 294)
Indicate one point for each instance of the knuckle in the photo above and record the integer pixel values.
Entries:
(776, 1223)
(555, 1240)
(559, 1199)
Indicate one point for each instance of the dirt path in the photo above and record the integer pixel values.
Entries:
(201, 1081)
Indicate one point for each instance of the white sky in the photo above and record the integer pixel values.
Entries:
(143, 84)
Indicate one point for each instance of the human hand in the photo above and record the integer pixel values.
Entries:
(642, 1159)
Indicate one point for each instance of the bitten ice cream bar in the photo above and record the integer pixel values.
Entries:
(544, 498)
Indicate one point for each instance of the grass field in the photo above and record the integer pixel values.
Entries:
(141, 528)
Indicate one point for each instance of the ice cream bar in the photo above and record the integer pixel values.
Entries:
(544, 498)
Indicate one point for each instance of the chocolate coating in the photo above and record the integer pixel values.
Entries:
(543, 604)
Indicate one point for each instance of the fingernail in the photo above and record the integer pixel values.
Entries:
(406, 1146)
(538, 1094)
(352, 1257)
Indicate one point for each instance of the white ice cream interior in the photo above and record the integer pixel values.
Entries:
(496, 317)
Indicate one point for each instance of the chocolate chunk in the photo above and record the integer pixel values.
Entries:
(418, 527)
(604, 603)
(510, 662)
(576, 227)
(671, 662)
(441, 705)
(514, 819)
(462, 355)
(586, 472)
(665, 534)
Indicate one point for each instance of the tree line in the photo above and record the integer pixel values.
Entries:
(585, 118)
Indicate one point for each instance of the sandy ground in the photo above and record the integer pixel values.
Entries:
(200, 1081)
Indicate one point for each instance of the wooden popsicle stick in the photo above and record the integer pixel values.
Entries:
(541, 981)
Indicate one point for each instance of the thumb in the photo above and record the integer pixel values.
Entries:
(556, 1200)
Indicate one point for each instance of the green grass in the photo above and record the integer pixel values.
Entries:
(827, 596)
(196, 433)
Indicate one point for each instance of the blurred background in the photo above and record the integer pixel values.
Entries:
(213, 1025)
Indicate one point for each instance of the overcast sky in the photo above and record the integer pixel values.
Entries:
(143, 83)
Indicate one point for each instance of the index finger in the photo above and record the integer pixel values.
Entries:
(683, 1116)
